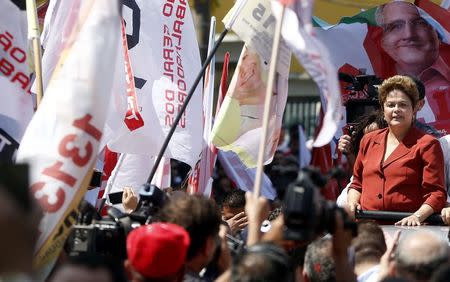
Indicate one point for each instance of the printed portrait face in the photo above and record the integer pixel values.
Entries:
(250, 71)
(407, 38)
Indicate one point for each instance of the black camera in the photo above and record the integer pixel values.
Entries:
(151, 200)
(94, 234)
(306, 213)
(363, 96)
(107, 235)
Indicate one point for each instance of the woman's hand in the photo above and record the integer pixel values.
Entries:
(411, 220)
(445, 214)
(353, 198)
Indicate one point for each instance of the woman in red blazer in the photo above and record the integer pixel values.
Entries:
(399, 168)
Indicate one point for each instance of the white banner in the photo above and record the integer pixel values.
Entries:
(133, 170)
(62, 140)
(238, 125)
(16, 106)
(244, 177)
(200, 180)
(311, 52)
(165, 58)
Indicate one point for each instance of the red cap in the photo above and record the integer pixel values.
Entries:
(157, 250)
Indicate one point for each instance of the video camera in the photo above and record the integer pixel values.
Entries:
(107, 235)
(306, 213)
(363, 96)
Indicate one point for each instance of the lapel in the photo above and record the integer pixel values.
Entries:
(402, 149)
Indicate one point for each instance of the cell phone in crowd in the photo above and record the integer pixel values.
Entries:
(348, 129)
(14, 179)
(115, 198)
(96, 179)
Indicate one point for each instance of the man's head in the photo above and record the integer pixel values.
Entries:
(19, 220)
(157, 252)
(319, 264)
(421, 89)
(233, 203)
(262, 262)
(89, 267)
(201, 219)
(407, 38)
(419, 254)
(370, 244)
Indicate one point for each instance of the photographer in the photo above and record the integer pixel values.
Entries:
(304, 218)
(201, 219)
(90, 267)
(349, 143)
(19, 220)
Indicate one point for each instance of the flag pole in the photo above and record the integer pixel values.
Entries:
(228, 26)
(34, 36)
(268, 98)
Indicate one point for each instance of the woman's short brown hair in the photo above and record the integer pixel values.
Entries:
(401, 83)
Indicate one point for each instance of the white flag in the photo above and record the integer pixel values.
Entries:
(16, 106)
(165, 59)
(132, 171)
(62, 139)
(244, 177)
(200, 180)
(311, 52)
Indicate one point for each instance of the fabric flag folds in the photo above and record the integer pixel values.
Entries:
(62, 139)
(314, 56)
(200, 180)
(238, 125)
(164, 56)
(132, 171)
(16, 107)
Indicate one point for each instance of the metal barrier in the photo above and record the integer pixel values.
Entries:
(434, 219)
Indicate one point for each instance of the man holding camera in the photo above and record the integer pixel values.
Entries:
(201, 218)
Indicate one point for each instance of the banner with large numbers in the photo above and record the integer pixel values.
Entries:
(62, 139)
(163, 62)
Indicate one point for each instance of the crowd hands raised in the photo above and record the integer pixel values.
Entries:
(189, 240)
(300, 237)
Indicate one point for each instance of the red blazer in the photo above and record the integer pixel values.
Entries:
(411, 176)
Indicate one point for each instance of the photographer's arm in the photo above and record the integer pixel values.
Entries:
(342, 239)
(346, 148)
(257, 210)
(129, 199)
